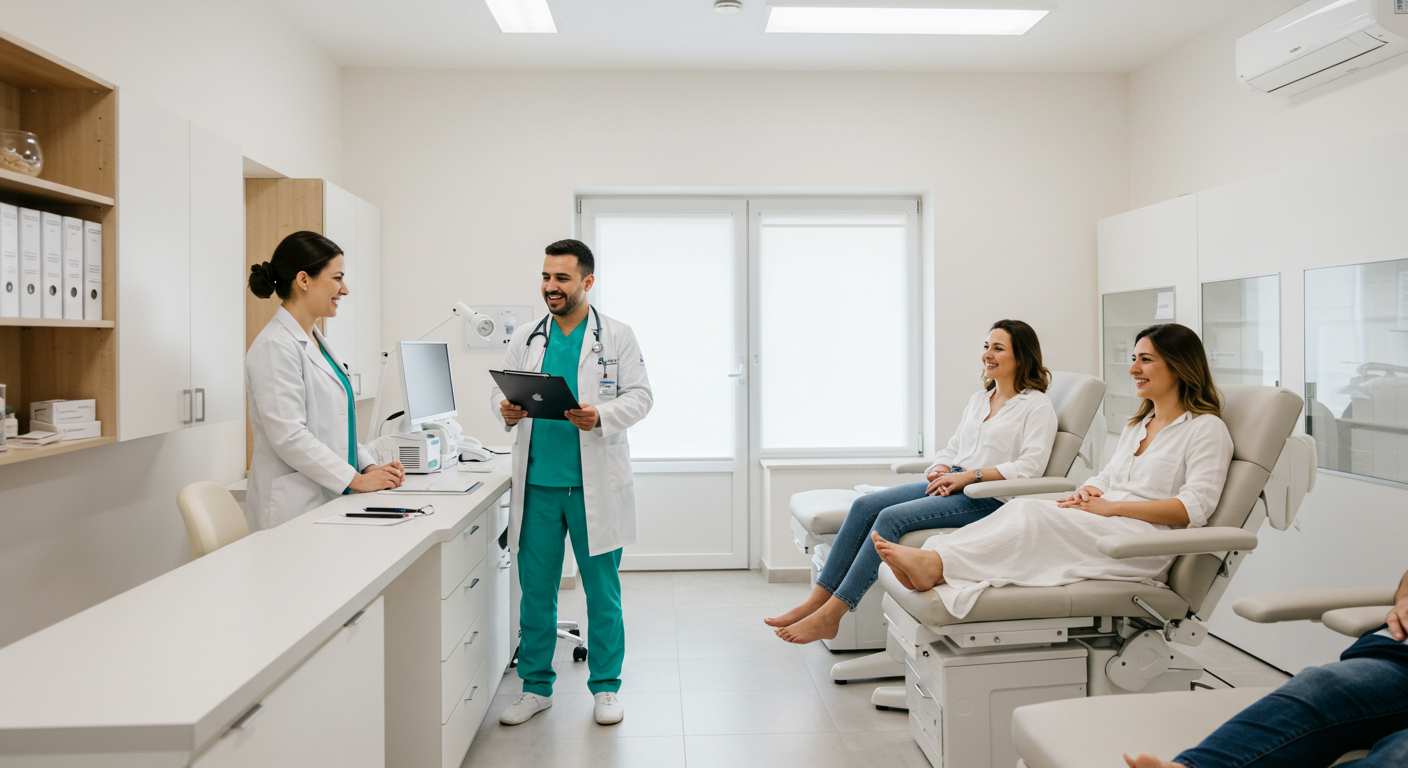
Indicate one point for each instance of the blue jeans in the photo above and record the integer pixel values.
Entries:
(853, 564)
(1356, 703)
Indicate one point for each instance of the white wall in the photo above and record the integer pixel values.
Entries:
(1193, 126)
(79, 528)
(236, 67)
(476, 171)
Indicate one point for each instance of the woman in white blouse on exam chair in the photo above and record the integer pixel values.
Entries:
(301, 408)
(1006, 433)
(1167, 472)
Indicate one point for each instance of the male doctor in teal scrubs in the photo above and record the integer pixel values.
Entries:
(572, 478)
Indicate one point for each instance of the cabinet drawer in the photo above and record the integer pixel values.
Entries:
(468, 654)
(459, 555)
(458, 732)
(500, 576)
(329, 711)
(462, 607)
(502, 640)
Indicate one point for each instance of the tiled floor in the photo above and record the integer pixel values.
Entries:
(706, 683)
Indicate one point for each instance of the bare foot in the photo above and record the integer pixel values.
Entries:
(1149, 761)
(821, 625)
(815, 600)
(921, 568)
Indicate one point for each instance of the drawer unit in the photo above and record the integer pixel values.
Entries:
(468, 655)
(463, 606)
(458, 732)
(329, 711)
(461, 554)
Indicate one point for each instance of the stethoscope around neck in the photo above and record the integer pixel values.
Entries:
(542, 330)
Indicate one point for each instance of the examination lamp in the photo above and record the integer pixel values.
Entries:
(482, 325)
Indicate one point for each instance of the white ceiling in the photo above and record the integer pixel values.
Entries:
(1080, 36)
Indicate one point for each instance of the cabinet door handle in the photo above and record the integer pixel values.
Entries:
(201, 393)
(470, 641)
(471, 531)
(472, 583)
(358, 377)
(922, 692)
(190, 406)
(248, 718)
(472, 691)
(355, 620)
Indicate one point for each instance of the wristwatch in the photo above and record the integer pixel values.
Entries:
(978, 475)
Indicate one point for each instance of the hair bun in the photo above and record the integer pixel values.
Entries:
(262, 280)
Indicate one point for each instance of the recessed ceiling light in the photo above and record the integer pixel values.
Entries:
(728, 7)
(522, 15)
(822, 19)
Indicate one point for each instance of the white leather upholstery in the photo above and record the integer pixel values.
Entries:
(1075, 398)
(1081, 733)
(212, 516)
(1309, 604)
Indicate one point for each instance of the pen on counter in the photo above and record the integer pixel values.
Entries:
(377, 514)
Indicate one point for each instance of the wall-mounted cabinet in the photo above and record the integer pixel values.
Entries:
(275, 209)
(73, 114)
(1242, 330)
(180, 280)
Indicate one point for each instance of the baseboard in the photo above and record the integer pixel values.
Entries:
(793, 575)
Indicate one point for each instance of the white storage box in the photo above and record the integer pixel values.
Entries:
(63, 411)
(69, 430)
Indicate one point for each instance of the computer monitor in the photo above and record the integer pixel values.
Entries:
(425, 373)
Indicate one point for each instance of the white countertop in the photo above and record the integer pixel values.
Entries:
(166, 666)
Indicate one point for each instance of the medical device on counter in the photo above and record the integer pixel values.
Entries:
(418, 451)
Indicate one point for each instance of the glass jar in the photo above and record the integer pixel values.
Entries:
(20, 152)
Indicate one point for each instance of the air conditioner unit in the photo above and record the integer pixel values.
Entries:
(1320, 41)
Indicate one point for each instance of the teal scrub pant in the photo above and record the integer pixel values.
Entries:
(550, 514)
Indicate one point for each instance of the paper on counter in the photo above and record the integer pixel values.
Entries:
(345, 520)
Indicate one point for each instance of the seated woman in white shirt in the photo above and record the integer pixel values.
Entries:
(1167, 472)
(1006, 433)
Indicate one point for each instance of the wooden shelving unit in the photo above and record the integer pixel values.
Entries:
(74, 114)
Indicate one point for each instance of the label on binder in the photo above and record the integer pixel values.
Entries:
(92, 270)
(51, 243)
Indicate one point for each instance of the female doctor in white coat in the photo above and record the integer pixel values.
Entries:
(573, 477)
(301, 407)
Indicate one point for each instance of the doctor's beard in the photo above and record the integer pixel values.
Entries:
(569, 303)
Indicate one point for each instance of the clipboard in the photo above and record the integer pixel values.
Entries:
(542, 395)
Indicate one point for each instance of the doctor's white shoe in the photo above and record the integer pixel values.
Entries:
(608, 710)
(524, 707)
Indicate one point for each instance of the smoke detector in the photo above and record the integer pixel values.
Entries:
(728, 7)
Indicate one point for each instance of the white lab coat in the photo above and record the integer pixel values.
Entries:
(298, 413)
(607, 483)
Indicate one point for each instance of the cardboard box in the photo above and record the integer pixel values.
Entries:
(63, 411)
(69, 431)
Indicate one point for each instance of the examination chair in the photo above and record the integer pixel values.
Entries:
(212, 516)
(817, 517)
(1027, 645)
(1093, 732)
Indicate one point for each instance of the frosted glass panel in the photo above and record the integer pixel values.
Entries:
(1356, 367)
(836, 332)
(649, 266)
(1125, 315)
(1242, 330)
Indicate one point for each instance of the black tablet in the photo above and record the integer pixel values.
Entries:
(543, 395)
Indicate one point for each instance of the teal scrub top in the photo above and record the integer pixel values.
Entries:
(351, 408)
(555, 456)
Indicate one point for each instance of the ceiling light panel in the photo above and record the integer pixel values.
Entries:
(522, 15)
(902, 21)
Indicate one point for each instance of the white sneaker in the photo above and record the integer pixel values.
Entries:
(524, 707)
(608, 710)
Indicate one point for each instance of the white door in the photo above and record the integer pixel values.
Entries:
(217, 277)
(154, 270)
(340, 226)
(368, 299)
(690, 454)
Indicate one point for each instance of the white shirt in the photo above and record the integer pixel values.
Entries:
(1187, 460)
(1016, 442)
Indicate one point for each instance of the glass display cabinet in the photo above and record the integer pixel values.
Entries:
(1124, 315)
(1242, 330)
(1356, 368)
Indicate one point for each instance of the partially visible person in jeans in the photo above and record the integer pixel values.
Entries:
(1006, 433)
(1358, 702)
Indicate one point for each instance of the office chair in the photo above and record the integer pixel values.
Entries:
(212, 516)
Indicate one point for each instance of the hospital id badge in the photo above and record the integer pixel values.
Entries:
(606, 388)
